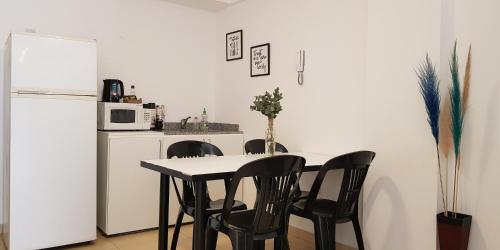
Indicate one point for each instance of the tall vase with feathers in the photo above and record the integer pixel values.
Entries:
(446, 123)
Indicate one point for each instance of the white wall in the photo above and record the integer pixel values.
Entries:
(478, 23)
(360, 87)
(399, 213)
(323, 115)
(167, 51)
(360, 92)
(400, 191)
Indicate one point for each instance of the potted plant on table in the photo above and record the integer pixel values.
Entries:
(453, 227)
(270, 106)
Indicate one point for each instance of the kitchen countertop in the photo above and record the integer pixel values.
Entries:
(173, 128)
(198, 132)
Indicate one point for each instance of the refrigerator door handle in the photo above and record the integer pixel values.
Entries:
(53, 92)
(31, 92)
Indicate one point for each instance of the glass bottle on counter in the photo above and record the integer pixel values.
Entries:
(204, 120)
(132, 90)
(160, 116)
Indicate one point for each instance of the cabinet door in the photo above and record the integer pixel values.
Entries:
(229, 144)
(133, 194)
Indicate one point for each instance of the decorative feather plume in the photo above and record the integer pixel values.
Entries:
(444, 128)
(445, 146)
(456, 103)
(457, 118)
(465, 97)
(429, 88)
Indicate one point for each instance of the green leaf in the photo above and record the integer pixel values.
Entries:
(269, 105)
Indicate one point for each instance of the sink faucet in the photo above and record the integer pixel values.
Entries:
(184, 122)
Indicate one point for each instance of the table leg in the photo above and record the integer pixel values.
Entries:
(200, 221)
(227, 184)
(164, 200)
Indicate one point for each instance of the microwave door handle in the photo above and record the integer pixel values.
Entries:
(139, 116)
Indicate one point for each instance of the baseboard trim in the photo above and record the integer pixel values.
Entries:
(138, 231)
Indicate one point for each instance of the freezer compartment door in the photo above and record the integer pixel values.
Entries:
(52, 172)
(47, 62)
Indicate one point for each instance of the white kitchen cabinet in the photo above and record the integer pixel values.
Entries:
(230, 144)
(128, 194)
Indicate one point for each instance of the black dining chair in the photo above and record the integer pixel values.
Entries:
(258, 146)
(185, 149)
(325, 213)
(278, 177)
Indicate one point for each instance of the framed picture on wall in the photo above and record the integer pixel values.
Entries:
(260, 60)
(234, 45)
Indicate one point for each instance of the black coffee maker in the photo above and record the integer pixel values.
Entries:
(113, 90)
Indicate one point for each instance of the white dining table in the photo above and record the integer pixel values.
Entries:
(202, 169)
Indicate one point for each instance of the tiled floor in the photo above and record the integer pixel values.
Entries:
(299, 240)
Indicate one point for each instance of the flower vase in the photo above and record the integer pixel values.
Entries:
(454, 231)
(270, 138)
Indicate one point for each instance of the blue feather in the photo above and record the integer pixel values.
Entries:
(457, 116)
(429, 89)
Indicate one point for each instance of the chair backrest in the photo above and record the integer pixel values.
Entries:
(185, 149)
(190, 148)
(258, 146)
(278, 176)
(355, 166)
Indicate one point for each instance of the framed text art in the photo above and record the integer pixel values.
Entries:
(260, 60)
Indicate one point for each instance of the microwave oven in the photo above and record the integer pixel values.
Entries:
(122, 116)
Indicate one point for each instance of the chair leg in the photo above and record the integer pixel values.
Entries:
(278, 243)
(177, 228)
(211, 238)
(287, 224)
(241, 241)
(259, 245)
(281, 243)
(357, 231)
(324, 233)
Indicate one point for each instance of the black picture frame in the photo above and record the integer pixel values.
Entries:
(267, 60)
(238, 46)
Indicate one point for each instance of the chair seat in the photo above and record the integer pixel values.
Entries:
(214, 207)
(238, 221)
(320, 207)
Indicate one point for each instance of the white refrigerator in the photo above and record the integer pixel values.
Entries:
(50, 141)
